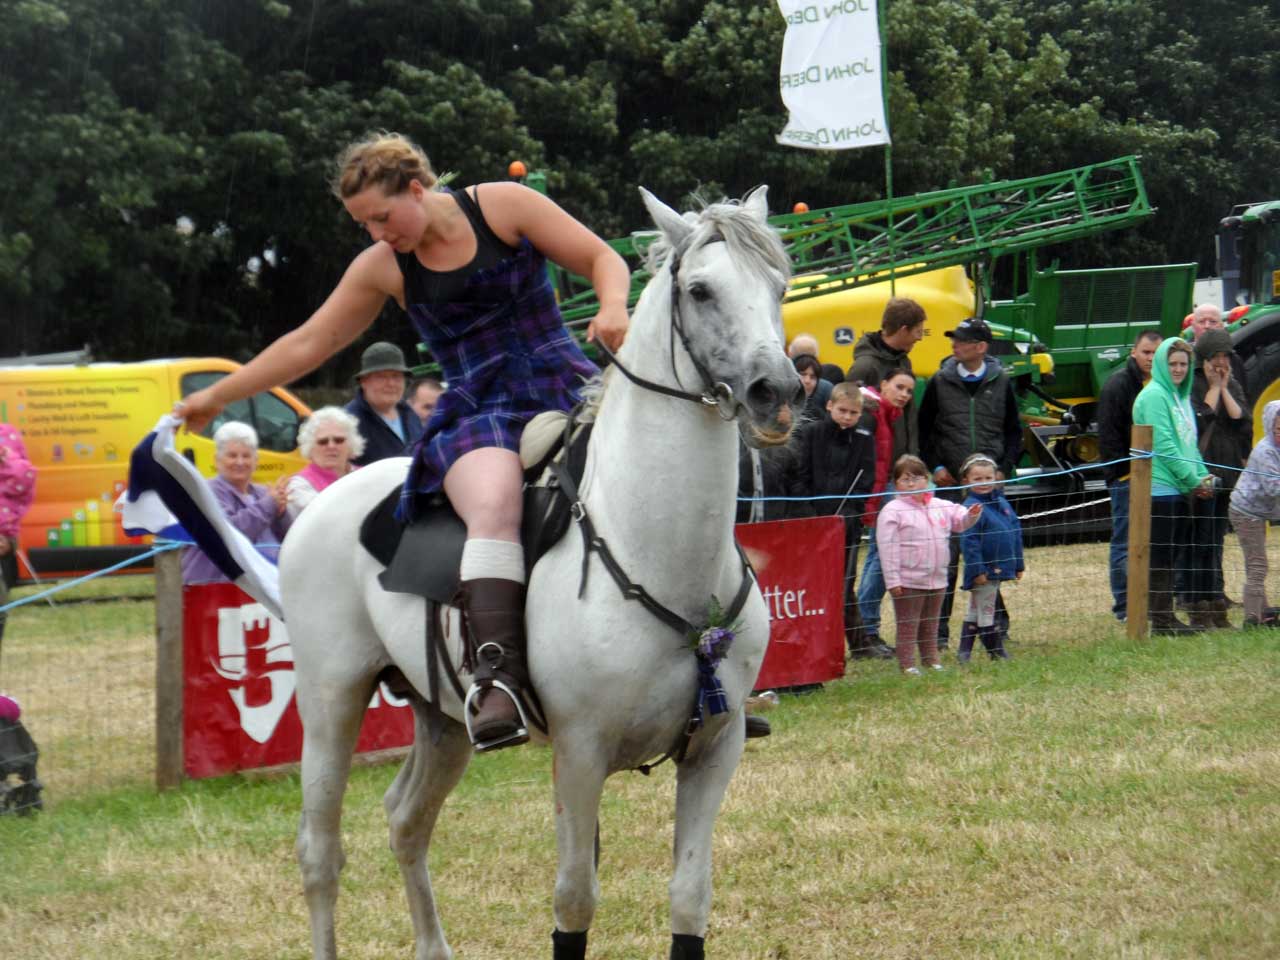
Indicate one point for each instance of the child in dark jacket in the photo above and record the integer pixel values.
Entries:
(992, 553)
(837, 460)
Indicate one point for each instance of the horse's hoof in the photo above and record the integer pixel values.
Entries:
(757, 727)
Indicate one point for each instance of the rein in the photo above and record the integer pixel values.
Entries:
(593, 543)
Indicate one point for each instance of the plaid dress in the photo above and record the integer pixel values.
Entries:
(505, 352)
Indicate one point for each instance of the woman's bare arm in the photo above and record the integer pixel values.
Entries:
(515, 211)
(349, 310)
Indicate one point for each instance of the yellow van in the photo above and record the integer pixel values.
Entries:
(81, 421)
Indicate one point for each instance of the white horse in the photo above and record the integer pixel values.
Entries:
(617, 685)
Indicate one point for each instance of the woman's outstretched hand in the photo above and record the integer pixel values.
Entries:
(198, 409)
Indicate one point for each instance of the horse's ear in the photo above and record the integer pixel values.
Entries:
(672, 225)
(757, 203)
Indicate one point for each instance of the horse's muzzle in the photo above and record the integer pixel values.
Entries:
(774, 402)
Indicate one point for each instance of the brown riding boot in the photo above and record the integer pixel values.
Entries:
(1218, 614)
(1198, 613)
(495, 617)
(1163, 621)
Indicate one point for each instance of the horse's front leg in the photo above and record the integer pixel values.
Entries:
(579, 779)
(413, 803)
(331, 724)
(700, 785)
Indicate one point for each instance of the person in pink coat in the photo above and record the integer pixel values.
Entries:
(17, 489)
(913, 536)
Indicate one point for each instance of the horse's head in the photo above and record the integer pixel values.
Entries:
(727, 272)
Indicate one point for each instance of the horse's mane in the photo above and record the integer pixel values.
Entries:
(592, 394)
(755, 243)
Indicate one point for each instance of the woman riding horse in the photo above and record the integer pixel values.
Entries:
(468, 267)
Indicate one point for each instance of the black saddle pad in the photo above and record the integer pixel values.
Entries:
(424, 558)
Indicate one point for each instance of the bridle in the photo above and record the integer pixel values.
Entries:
(715, 393)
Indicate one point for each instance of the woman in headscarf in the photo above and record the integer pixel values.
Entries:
(1177, 473)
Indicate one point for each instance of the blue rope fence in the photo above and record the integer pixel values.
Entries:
(167, 545)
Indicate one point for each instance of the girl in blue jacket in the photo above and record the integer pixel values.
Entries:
(992, 553)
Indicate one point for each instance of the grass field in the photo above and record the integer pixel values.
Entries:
(1091, 798)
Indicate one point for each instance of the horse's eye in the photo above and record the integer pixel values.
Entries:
(700, 292)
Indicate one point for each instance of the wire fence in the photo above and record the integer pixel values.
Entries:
(82, 669)
(82, 664)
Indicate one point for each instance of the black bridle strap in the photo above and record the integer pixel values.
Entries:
(714, 394)
(644, 384)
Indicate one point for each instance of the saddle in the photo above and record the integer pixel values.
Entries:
(424, 558)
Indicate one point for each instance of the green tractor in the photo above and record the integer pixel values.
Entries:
(1249, 267)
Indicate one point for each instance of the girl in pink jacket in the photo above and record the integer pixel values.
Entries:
(17, 487)
(913, 535)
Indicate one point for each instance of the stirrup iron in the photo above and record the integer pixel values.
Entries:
(518, 736)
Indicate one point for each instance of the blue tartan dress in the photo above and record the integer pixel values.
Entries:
(503, 349)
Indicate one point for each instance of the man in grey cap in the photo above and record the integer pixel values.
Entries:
(388, 424)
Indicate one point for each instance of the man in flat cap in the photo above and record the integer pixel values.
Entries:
(388, 424)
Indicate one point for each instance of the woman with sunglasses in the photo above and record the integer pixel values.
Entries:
(330, 438)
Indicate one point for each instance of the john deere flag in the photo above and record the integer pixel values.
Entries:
(830, 78)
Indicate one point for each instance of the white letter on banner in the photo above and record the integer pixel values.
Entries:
(830, 76)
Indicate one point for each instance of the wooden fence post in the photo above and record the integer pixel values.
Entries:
(1139, 573)
(168, 670)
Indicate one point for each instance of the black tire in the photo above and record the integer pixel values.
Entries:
(1261, 369)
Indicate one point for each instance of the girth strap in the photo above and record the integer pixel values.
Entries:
(436, 652)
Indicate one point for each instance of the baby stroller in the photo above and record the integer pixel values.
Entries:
(19, 786)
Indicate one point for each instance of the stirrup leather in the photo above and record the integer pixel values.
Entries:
(518, 736)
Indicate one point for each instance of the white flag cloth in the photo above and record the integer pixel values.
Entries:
(168, 496)
(830, 78)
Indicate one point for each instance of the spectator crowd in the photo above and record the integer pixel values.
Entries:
(916, 472)
(876, 430)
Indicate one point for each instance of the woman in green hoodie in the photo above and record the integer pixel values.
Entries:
(1177, 471)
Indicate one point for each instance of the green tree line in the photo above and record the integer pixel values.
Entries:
(164, 163)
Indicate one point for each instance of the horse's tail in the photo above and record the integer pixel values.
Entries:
(167, 496)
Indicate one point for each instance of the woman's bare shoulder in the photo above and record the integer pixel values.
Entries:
(375, 268)
(508, 206)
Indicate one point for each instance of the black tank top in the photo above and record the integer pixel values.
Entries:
(432, 287)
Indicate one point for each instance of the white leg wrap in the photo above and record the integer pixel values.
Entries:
(497, 559)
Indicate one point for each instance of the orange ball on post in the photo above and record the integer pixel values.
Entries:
(517, 170)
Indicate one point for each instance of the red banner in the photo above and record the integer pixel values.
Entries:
(238, 703)
(800, 566)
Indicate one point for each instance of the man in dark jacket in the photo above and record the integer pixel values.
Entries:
(882, 351)
(876, 356)
(968, 407)
(388, 424)
(1115, 424)
(770, 472)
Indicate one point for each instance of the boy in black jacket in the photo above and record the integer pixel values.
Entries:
(837, 461)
